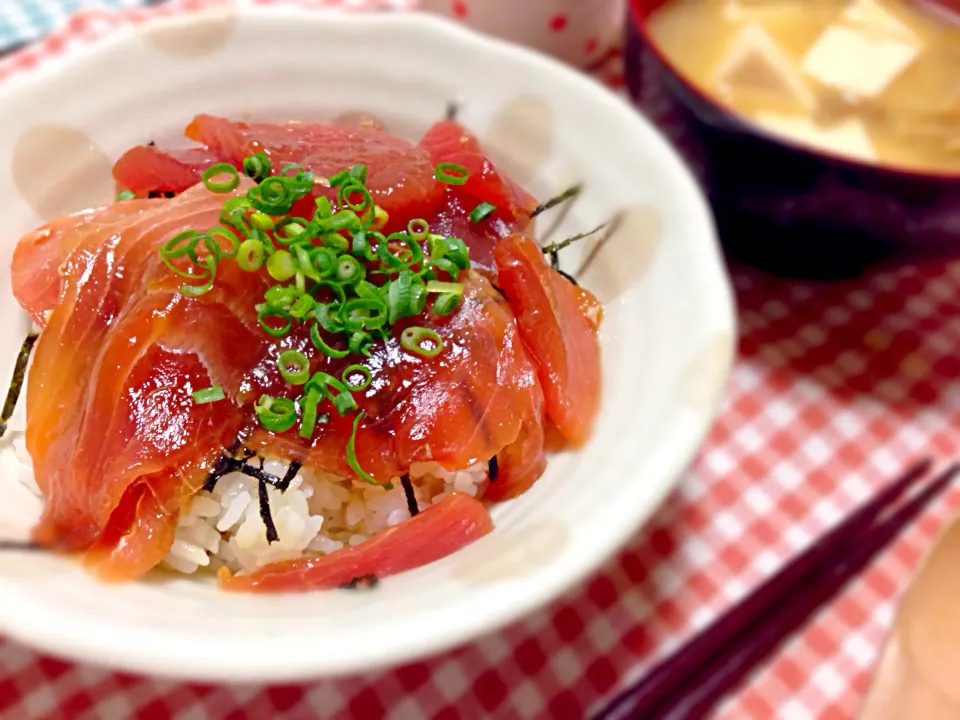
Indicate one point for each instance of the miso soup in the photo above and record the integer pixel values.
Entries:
(873, 80)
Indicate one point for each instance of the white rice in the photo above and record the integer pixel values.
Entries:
(318, 513)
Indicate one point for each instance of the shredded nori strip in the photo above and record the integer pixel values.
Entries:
(363, 581)
(292, 470)
(16, 384)
(555, 260)
(554, 201)
(151, 144)
(265, 513)
(25, 545)
(161, 194)
(556, 247)
(612, 227)
(226, 463)
(568, 277)
(408, 492)
(452, 110)
(493, 469)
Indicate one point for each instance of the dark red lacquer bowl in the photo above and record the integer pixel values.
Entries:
(786, 208)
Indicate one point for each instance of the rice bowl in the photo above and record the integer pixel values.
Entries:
(660, 392)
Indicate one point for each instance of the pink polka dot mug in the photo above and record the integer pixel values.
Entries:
(576, 31)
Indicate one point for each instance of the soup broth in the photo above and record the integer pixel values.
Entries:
(874, 80)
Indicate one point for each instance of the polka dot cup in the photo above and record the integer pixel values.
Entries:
(576, 31)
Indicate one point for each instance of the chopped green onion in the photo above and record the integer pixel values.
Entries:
(380, 218)
(197, 290)
(416, 252)
(322, 346)
(339, 178)
(352, 370)
(262, 221)
(343, 220)
(336, 242)
(418, 229)
(250, 255)
(450, 248)
(271, 197)
(342, 401)
(349, 270)
(126, 195)
(181, 244)
(366, 202)
(280, 265)
(324, 261)
(359, 173)
(273, 330)
(448, 266)
(276, 414)
(446, 304)
(400, 301)
(308, 413)
(360, 248)
(208, 395)
(224, 186)
(481, 211)
(302, 307)
(451, 173)
(324, 210)
(369, 313)
(360, 343)
(415, 337)
(215, 247)
(435, 286)
(291, 229)
(257, 167)
(352, 453)
(294, 367)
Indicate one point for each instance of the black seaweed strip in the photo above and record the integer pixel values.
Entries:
(151, 144)
(568, 277)
(16, 383)
(555, 260)
(601, 243)
(493, 469)
(292, 470)
(452, 110)
(265, 514)
(554, 201)
(554, 248)
(362, 581)
(25, 545)
(408, 492)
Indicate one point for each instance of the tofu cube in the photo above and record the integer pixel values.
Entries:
(848, 138)
(881, 24)
(852, 62)
(755, 62)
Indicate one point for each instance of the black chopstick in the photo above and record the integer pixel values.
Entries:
(708, 666)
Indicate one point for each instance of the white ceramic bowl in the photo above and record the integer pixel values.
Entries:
(668, 336)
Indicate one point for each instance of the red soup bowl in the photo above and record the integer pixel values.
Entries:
(785, 207)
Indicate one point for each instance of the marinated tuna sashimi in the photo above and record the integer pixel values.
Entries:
(438, 531)
(315, 358)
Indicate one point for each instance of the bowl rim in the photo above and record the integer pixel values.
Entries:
(89, 644)
(637, 17)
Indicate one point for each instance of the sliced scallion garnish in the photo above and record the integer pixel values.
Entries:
(481, 211)
(208, 395)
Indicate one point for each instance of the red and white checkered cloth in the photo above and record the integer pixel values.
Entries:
(837, 388)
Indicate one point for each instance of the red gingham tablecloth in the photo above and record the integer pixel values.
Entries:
(837, 388)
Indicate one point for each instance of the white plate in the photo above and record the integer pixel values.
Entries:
(668, 336)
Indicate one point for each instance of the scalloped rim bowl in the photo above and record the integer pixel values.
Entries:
(668, 336)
